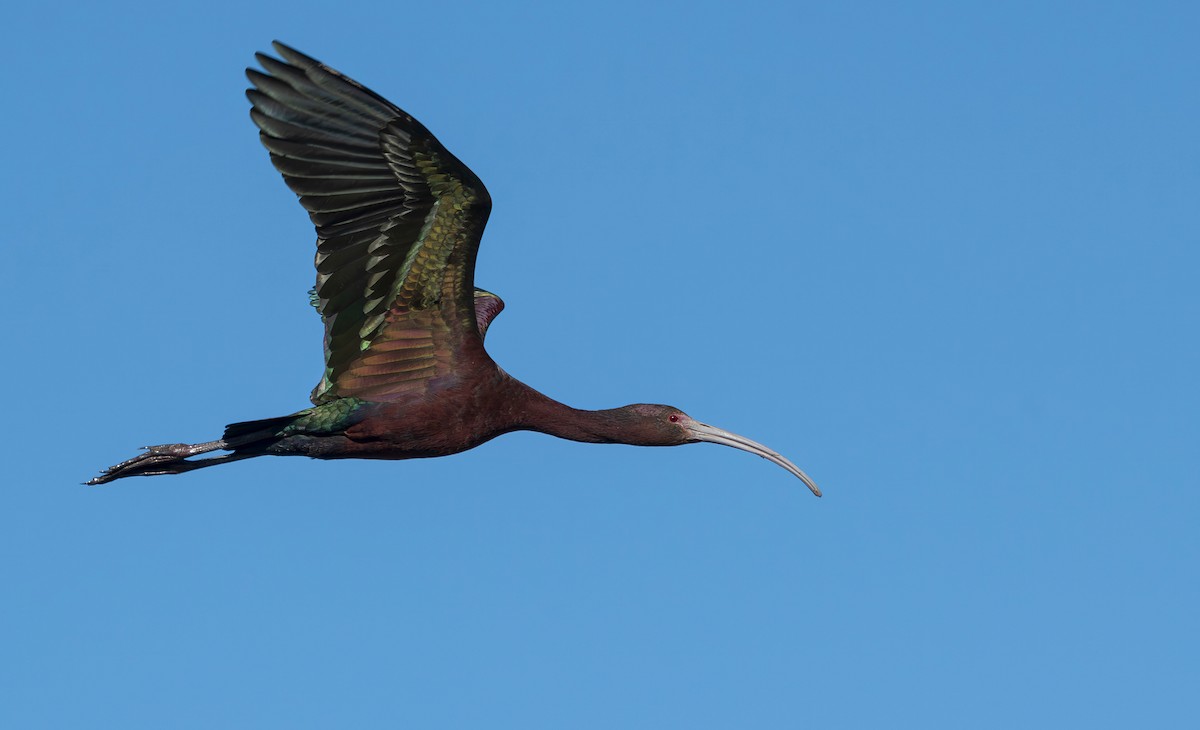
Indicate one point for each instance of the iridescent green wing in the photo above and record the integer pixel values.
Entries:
(398, 222)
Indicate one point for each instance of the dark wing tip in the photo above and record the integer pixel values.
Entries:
(256, 76)
(292, 56)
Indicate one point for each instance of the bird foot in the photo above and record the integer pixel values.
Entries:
(154, 457)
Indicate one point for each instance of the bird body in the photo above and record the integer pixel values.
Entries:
(399, 221)
(455, 418)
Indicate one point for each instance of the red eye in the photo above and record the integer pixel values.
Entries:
(674, 418)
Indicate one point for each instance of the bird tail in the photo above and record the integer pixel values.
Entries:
(249, 433)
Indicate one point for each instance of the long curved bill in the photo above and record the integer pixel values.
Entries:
(703, 432)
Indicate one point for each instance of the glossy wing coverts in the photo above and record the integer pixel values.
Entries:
(398, 222)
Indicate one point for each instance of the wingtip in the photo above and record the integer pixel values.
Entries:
(265, 60)
(292, 56)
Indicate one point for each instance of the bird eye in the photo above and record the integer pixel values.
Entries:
(674, 418)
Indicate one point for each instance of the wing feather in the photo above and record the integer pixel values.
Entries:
(398, 221)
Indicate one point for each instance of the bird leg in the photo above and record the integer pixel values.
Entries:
(182, 451)
(164, 459)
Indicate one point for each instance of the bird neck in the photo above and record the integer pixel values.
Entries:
(546, 415)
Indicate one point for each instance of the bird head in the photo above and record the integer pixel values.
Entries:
(659, 425)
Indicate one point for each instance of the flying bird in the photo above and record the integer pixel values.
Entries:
(398, 221)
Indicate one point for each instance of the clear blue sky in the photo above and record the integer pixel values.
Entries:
(942, 255)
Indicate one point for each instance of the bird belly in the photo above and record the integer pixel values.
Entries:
(412, 430)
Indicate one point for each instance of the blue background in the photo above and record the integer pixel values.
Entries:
(942, 255)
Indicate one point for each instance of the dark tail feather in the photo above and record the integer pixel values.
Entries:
(244, 440)
(246, 433)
